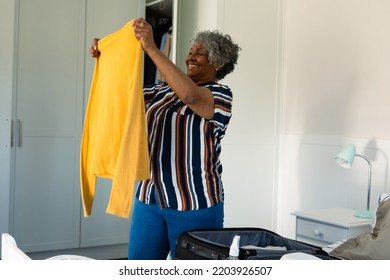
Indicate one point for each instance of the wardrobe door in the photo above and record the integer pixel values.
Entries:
(48, 123)
(103, 18)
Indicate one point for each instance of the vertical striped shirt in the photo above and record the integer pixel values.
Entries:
(184, 150)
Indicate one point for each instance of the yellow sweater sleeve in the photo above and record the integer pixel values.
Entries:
(114, 141)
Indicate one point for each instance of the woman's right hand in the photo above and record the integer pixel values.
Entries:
(94, 51)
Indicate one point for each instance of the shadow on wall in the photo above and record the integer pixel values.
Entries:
(325, 184)
(375, 154)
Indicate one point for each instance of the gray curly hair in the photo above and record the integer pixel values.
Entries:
(222, 51)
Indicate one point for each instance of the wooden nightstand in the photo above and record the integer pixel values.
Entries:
(322, 227)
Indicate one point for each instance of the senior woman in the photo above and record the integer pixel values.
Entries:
(186, 119)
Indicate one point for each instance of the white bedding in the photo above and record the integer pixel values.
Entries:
(333, 246)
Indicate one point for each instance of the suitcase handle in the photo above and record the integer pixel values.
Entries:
(201, 251)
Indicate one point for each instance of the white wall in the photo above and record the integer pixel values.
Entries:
(335, 91)
(250, 147)
(336, 68)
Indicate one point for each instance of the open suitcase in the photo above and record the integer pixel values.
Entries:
(255, 244)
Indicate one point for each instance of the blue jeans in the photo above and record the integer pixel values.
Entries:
(154, 231)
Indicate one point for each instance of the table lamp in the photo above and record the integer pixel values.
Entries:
(345, 158)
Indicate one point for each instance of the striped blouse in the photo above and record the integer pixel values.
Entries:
(184, 150)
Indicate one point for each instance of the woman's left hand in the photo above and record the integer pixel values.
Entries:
(144, 32)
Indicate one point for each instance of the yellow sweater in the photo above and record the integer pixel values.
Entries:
(114, 141)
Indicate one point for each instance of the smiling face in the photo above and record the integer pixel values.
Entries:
(198, 65)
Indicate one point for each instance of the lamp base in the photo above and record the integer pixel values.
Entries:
(364, 214)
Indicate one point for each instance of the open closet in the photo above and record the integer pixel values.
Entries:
(159, 13)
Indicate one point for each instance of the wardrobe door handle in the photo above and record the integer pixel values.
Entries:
(19, 133)
(12, 134)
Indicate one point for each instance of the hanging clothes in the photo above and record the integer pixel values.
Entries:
(114, 141)
(165, 48)
(161, 24)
